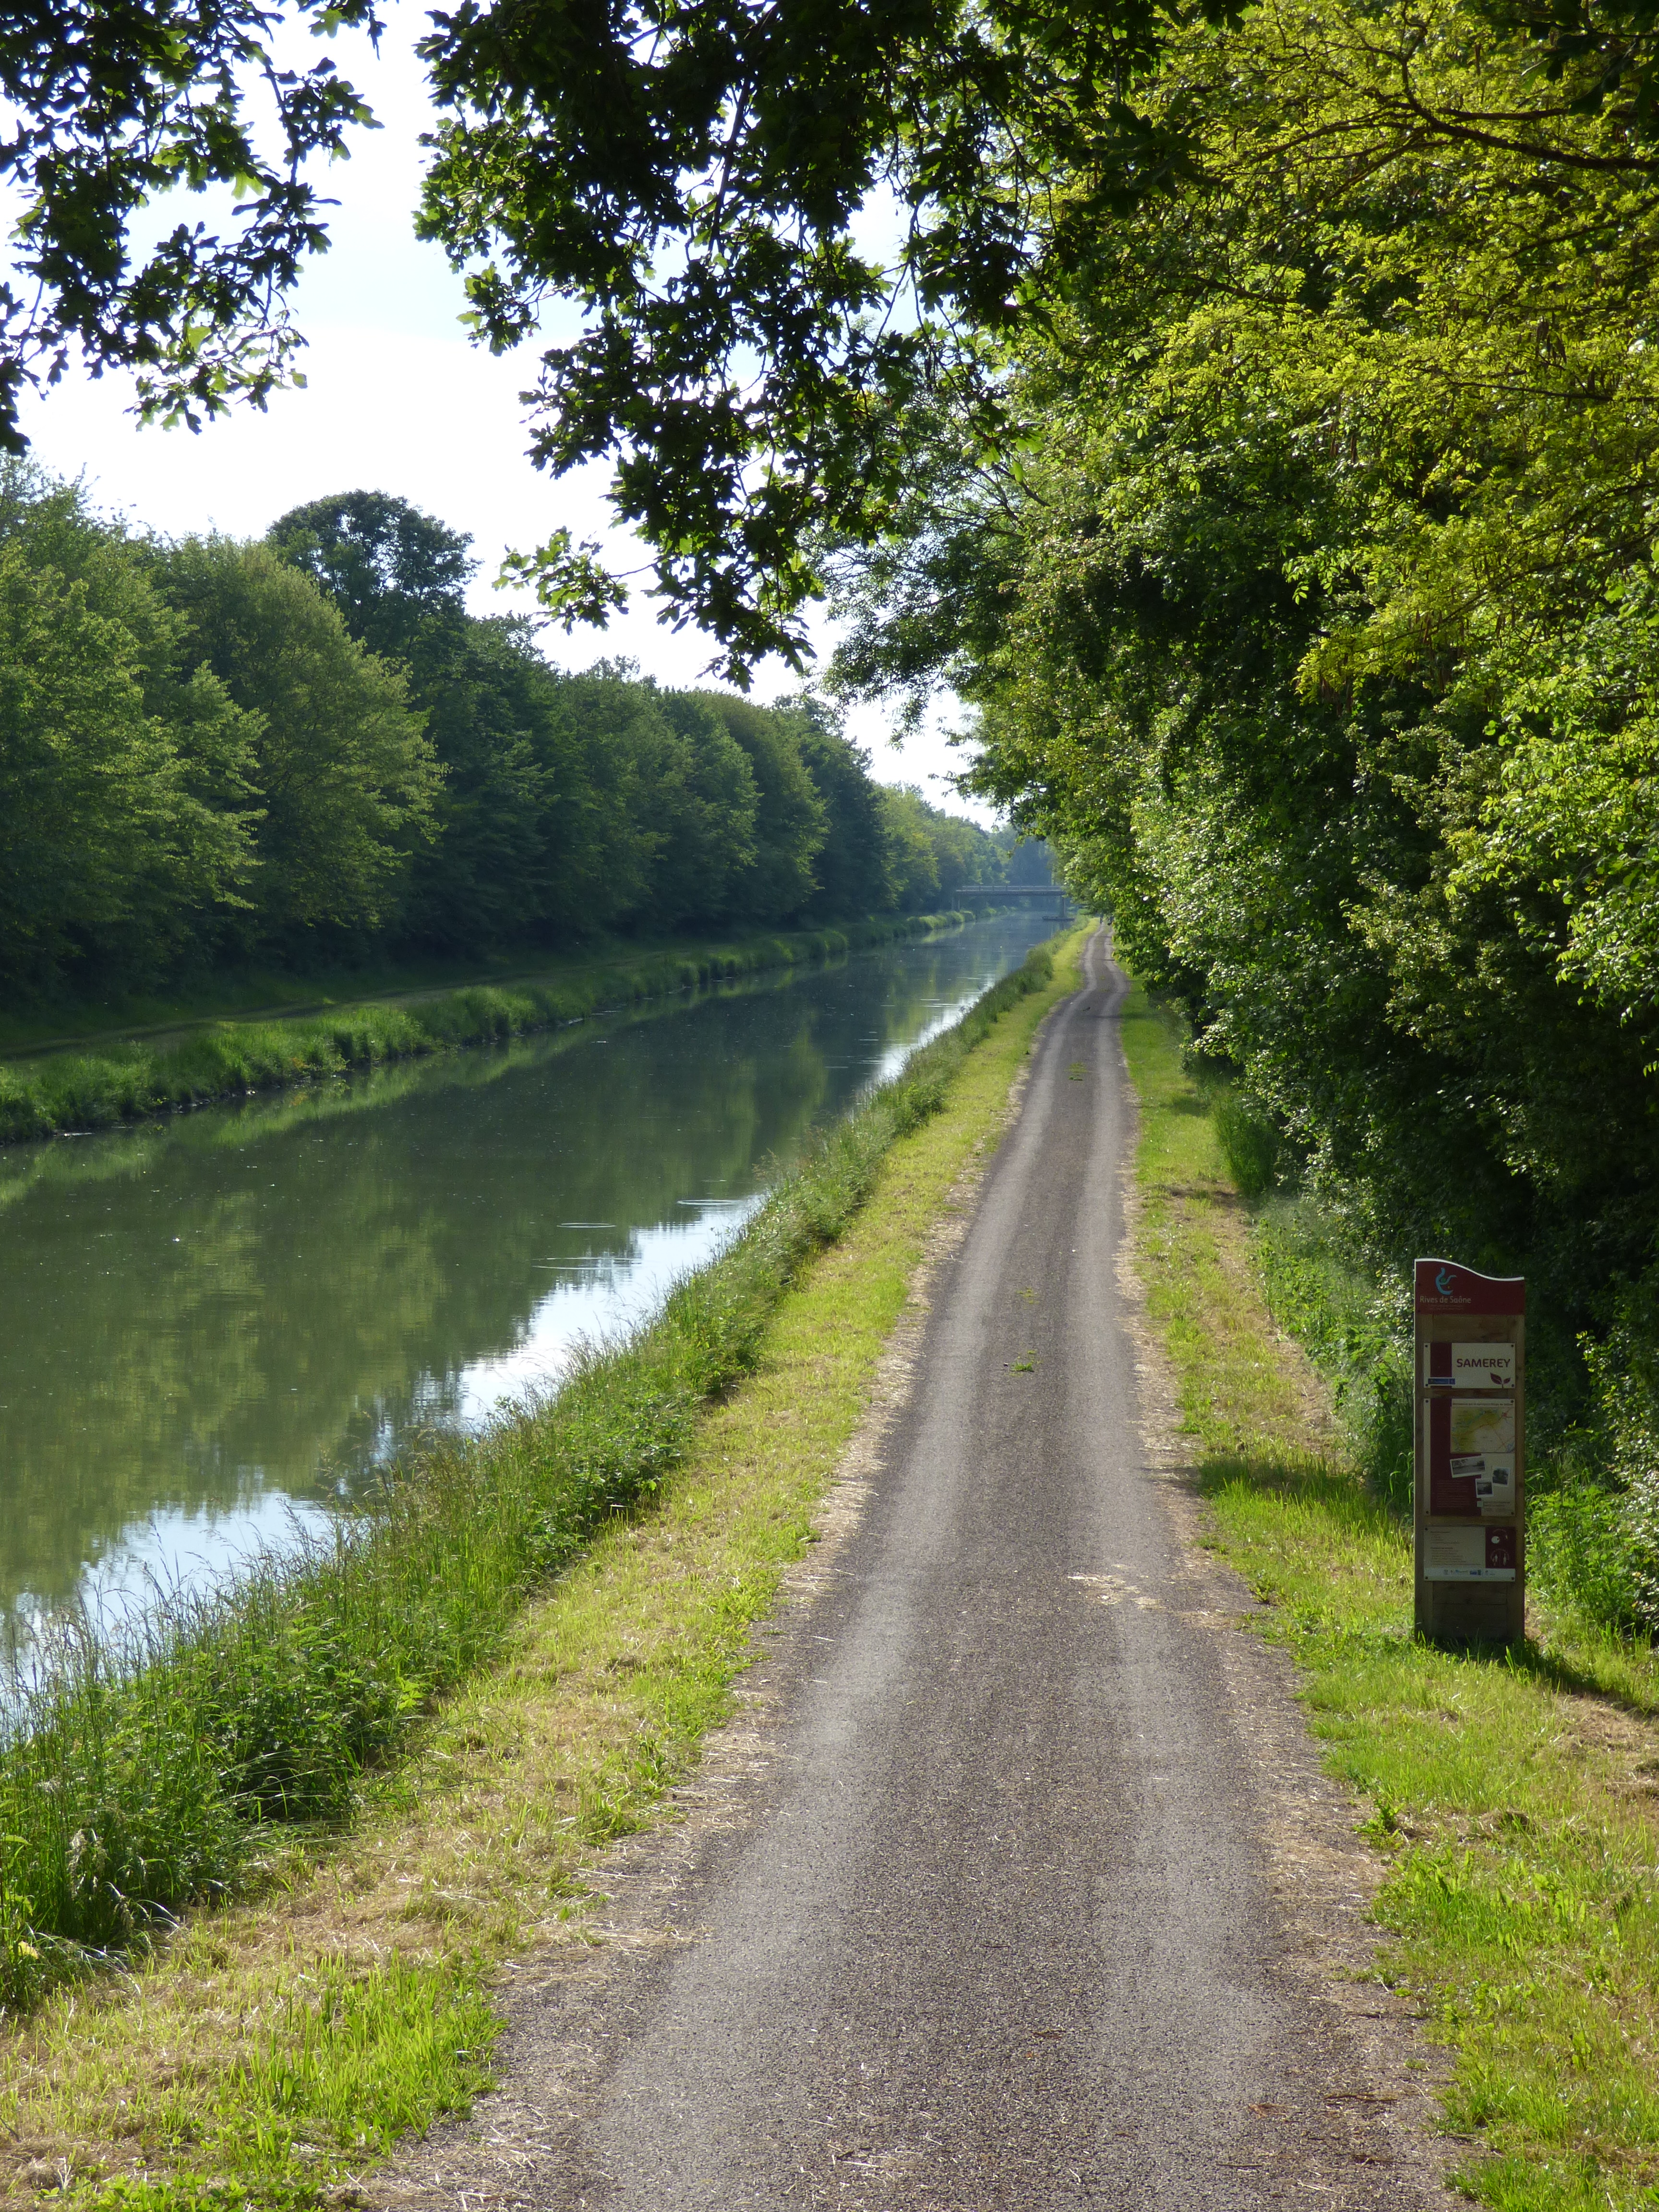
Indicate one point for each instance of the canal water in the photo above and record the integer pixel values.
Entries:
(212, 1326)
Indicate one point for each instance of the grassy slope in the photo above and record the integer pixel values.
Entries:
(1517, 1798)
(91, 1087)
(274, 2047)
(277, 993)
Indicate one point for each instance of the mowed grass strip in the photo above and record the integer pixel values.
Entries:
(1515, 1796)
(273, 2050)
(94, 1088)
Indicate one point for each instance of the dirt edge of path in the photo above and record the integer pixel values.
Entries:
(514, 2144)
(1324, 1874)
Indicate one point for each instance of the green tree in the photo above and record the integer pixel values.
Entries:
(127, 810)
(791, 823)
(854, 863)
(347, 777)
(109, 852)
(566, 806)
(935, 855)
(496, 719)
(912, 863)
(609, 834)
(703, 802)
(391, 569)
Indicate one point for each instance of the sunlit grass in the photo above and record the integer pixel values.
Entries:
(304, 2019)
(1516, 1797)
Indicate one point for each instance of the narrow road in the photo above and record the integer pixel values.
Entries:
(1005, 1929)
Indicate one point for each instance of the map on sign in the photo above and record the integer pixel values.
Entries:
(1483, 1445)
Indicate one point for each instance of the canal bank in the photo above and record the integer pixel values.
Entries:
(76, 1087)
(280, 2045)
(215, 1323)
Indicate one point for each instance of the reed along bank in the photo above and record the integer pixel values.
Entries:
(148, 1770)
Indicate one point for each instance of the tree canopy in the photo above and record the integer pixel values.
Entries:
(702, 180)
(112, 105)
(298, 751)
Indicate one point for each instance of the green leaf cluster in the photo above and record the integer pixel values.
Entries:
(114, 107)
(1312, 615)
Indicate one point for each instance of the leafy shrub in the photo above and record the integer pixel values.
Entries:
(1249, 1144)
(1579, 1550)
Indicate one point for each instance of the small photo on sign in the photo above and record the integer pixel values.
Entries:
(1494, 1491)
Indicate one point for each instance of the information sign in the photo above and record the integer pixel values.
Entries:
(1470, 1377)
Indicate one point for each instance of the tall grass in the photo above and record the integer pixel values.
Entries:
(148, 1768)
(1355, 1327)
(1250, 1144)
(123, 1083)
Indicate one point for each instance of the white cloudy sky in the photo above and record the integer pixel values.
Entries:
(398, 400)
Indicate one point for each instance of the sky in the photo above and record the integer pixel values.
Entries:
(396, 399)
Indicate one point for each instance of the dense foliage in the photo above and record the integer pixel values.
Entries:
(1314, 614)
(219, 751)
(705, 177)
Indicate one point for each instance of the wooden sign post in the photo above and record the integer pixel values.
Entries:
(1471, 1365)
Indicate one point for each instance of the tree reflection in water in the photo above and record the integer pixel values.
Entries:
(206, 1323)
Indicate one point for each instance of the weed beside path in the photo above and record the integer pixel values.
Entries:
(83, 1088)
(275, 2045)
(1516, 1797)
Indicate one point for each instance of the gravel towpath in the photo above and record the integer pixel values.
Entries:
(1022, 1888)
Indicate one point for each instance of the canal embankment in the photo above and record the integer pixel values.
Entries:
(97, 1084)
(377, 1770)
(216, 1324)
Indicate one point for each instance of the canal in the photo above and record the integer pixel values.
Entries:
(212, 1326)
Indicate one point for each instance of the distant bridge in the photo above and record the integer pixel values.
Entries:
(1054, 896)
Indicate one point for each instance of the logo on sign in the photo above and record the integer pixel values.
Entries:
(1442, 1282)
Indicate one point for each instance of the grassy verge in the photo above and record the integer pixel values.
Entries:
(1516, 1797)
(281, 2039)
(77, 1089)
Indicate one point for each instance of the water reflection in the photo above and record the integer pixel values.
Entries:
(208, 1327)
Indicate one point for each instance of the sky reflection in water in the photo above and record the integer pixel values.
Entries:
(211, 1328)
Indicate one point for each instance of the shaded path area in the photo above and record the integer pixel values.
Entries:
(1005, 1916)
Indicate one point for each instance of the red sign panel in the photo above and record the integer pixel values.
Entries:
(1444, 1287)
(1503, 1547)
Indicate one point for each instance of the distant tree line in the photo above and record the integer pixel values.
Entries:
(214, 751)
